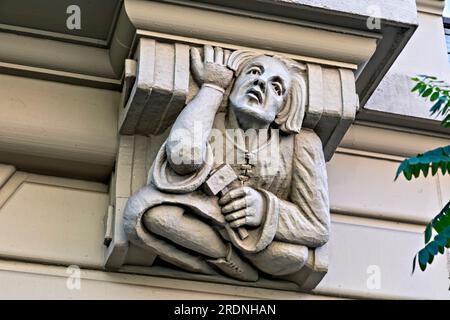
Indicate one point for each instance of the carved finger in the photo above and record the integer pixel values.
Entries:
(218, 55)
(226, 56)
(232, 194)
(209, 53)
(237, 223)
(196, 62)
(235, 205)
(236, 215)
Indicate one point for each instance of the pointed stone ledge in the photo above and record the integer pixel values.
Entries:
(431, 6)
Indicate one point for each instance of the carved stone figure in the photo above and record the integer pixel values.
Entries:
(238, 188)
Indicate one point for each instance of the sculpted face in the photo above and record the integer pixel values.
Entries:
(260, 90)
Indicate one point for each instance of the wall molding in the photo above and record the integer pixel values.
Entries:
(431, 6)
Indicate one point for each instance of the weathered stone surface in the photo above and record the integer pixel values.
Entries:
(332, 105)
(279, 195)
(221, 178)
(401, 10)
(160, 89)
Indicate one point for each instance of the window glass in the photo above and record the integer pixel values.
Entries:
(446, 17)
(447, 9)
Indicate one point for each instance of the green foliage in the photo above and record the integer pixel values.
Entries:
(436, 91)
(441, 224)
(435, 159)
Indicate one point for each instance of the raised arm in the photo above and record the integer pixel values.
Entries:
(186, 144)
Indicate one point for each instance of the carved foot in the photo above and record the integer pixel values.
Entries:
(235, 267)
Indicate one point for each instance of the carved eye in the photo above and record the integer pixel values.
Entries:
(278, 88)
(254, 71)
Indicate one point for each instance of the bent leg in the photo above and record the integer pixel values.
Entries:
(280, 258)
(177, 256)
(186, 230)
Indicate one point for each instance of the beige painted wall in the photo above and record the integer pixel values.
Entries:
(367, 235)
(57, 128)
(50, 129)
(425, 53)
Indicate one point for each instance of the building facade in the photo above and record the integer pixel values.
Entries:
(89, 91)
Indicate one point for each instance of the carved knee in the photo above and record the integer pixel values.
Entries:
(163, 218)
(184, 229)
(280, 258)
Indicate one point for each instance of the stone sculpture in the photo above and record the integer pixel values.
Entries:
(239, 187)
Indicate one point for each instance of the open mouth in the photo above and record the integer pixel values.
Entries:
(255, 94)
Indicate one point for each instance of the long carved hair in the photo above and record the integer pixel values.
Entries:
(290, 118)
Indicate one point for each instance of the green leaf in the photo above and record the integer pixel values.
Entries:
(427, 92)
(440, 223)
(446, 232)
(434, 168)
(422, 88)
(436, 107)
(416, 170)
(445, 109)
(425, 167)
(414, 264)
(434, 96)
(428, 233)
(432, 248)
(443, 166)
(407, 172)
(440, 240)
(438, 158)
(417, 86)
(423, 259)
(430, 86)
(446, 121)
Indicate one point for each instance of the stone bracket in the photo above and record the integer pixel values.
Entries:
(157, 85)
(332, 105)
(160, 89)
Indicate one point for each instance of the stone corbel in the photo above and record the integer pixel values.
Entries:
(343, 59)
(332, 106)
(160, 89)
(157, 85)
(431, 6)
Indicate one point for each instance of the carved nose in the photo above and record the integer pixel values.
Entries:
(261, 84)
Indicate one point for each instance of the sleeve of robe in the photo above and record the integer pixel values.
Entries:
(305, 219)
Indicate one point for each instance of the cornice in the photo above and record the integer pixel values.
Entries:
(431, 6)
(306, 29)
(303, 29)
(63, 58)
(235, 28)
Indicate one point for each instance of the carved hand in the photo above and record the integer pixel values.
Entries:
(243, 206)
(211, 70)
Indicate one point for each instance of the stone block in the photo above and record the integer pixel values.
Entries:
(160, 89)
